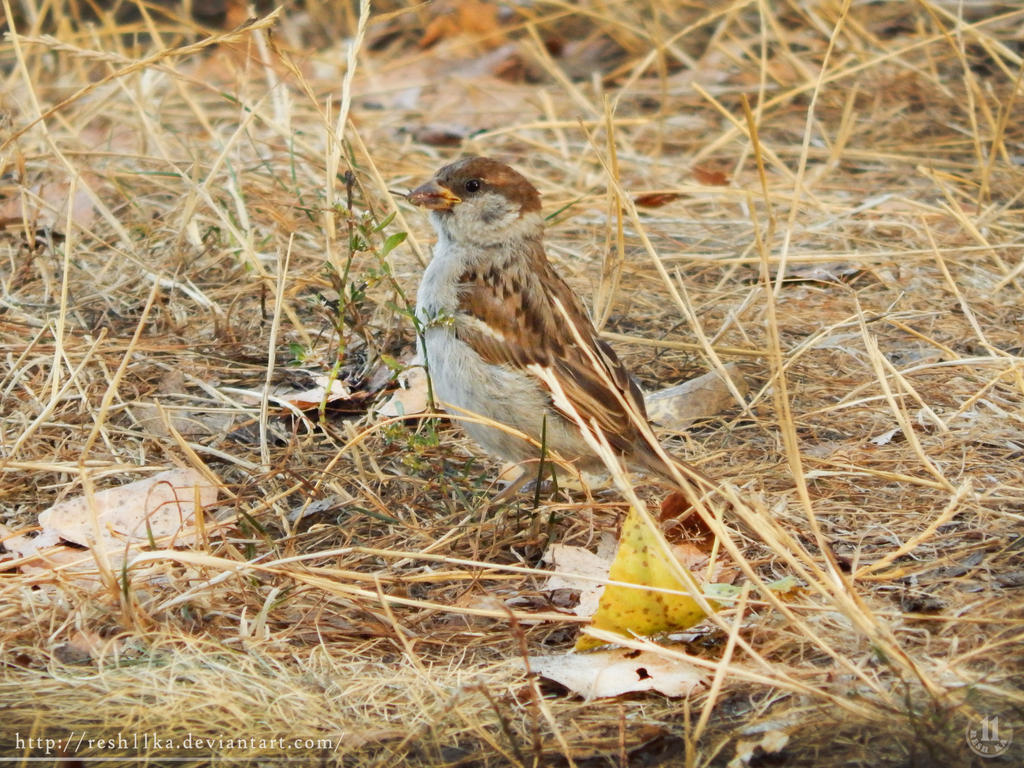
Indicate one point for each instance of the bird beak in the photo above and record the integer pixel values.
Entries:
(434, 196)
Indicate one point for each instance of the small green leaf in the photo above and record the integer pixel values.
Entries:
(391, 243)
(387, 220)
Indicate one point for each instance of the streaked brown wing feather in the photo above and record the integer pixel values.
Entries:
(511, 318)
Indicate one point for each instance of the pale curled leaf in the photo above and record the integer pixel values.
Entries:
(327, 390)
(591, 569)
(605, 673)
(411, 398)
(700, 398)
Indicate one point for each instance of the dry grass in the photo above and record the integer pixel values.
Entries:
(865, 264)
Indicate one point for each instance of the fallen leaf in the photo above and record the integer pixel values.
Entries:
(770, 743)
(656, 199)
(710, 177)
(45, 205)
(678, 407)
(440, 135)
(832, 272)
(153, 508)
(886, 437)
(675, 508)
(116, 521)
(44, 552)
(464, 17)
(327, 390)
(84, 645)
(569, 562)
(410, 398)
(693, 543)
(601, 674)
(644, 559)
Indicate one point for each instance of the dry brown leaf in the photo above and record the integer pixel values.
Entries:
(710, 177)
(674, 508)
(464, 17)
(440, 135)
(656, 199)
(692, 542)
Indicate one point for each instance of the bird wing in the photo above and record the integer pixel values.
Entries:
(511, 317)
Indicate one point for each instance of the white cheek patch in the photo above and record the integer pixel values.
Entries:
(488, 219)
(484, 219)
(495, 210)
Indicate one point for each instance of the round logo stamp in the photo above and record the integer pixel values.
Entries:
(989, 737)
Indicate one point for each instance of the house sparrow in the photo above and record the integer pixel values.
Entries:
(497, 321)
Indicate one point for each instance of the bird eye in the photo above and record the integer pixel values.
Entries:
(473, 185)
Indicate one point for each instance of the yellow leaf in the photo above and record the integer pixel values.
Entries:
(644, 558)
